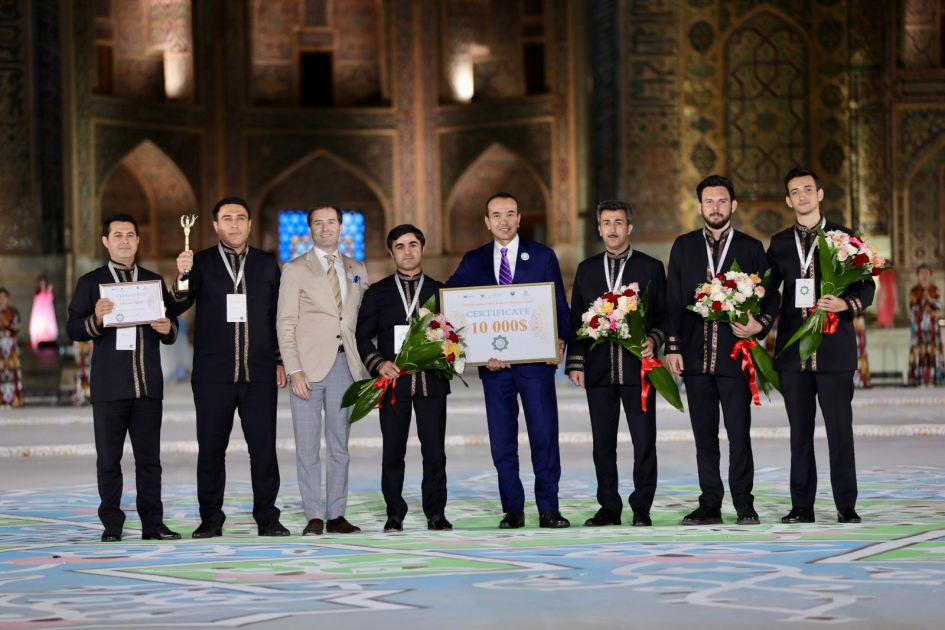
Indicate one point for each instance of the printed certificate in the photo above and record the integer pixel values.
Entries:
(135, 303)
(515, 323)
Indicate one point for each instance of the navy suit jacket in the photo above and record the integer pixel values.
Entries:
(477, 269)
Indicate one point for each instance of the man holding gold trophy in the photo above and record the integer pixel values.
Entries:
(237, 365)
(120, 307)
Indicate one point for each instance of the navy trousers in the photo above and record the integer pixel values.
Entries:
(539, 401)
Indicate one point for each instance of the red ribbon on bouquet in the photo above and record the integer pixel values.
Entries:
(743, 347)
(831, 323)
(645, 385)
(383, 383)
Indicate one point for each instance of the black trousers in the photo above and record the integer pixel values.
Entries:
(431, 429)
(604, 406)
(704, 393)
(215, 404)
(141, 419)
(835, 392)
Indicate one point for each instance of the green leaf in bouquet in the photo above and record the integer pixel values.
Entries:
(810, 343)
(764, 368)
(828, 268)
(806, 328)
(665, 384)
(365, 404)
(735, 266)
(355, 391)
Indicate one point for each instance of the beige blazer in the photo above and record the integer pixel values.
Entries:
(308, 323)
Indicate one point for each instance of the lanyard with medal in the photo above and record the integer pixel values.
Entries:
(400, 330)
(125, 338)
(613, 287)
(235, 302)
(804, 287)
(708, 251)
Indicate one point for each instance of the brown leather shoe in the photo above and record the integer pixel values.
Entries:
(314, 527)
(341, 526)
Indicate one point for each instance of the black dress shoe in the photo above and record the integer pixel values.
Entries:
(111, 535)
(553, 519)
(440, 524)
(159, 532)
(641, 518)
(513, 520)
(393, 525)
(274, 528)
(603, 518)
(207, 530)
(799, 515)
(848, 515)
(704, 516)
(747, 516)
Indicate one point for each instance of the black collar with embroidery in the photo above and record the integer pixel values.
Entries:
(411, 279)
(120, 267)
(619, 256)
(711, 239)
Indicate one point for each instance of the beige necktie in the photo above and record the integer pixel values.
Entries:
(333, 281)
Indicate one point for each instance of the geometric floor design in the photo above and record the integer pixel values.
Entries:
(887, 572)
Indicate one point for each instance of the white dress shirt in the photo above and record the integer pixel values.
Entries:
(339, 269)
(511, 254)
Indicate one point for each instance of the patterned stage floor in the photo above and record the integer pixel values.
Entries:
(889, 571)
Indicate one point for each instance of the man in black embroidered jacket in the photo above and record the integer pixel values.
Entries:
(611, 374)
(237, 365)
(701, 351)
(384, 308)
(127, 384)
(827, 375)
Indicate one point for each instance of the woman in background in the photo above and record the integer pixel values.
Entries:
(43, 326)
(11, 378)
(925, 354)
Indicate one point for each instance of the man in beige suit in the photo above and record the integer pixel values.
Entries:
(318, 309)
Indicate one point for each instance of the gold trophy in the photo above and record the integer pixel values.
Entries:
(183, 285)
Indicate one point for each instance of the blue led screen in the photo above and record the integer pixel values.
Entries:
(295, 238)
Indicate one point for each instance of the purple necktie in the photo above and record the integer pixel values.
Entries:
(505, 270)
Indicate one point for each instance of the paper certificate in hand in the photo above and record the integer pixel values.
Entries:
(135, 303)
(515, 323)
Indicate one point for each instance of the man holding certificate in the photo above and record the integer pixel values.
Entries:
(508, 260)
(127, 384)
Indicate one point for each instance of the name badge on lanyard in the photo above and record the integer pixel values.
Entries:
(400, 330)
(804, 289)
(619, 278)
(126, 338)
(400, 334)
(236, 307)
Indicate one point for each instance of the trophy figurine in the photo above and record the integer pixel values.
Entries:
(183, 285)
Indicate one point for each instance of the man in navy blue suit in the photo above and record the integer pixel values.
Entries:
(511, 260)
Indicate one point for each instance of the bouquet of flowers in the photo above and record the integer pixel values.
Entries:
(619, 317)
(845, 259)
(431, 344)
(729, 297)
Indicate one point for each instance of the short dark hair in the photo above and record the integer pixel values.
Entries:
(402, 230)
(321, 206)
(713, 181)
(118, 218)
(800, 171)
(4, 291)
(921, 267)
(613, 204)
(236, 201)
(501, 195)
